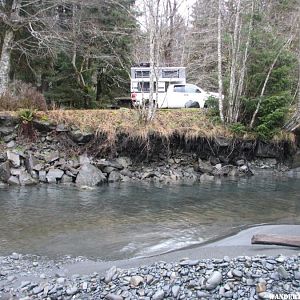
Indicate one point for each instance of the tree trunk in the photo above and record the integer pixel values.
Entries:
(235, 45)
(152, 56)
(272, 239)
(237, 105)
(5, 60)
(220, 63)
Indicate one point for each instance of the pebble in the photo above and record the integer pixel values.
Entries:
(189, 279)
(136, 280)
(214, 280)
(159, 295)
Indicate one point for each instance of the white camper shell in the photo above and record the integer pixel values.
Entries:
(170, 88)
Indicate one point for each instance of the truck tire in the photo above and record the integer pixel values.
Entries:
(192, 104)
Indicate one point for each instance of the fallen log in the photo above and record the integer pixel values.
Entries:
(273, 239)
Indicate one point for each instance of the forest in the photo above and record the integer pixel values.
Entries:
(78, 54)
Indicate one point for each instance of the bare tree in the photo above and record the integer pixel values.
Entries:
(220, 79)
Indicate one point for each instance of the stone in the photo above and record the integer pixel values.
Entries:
(109, 274)
(26, 179)
(266, 295)
(261, 287)
(89, 175)
(125, 162)
(52, 157)
(14, 158)
(61, 128)
(159, 295)
(43, 126)
(11, 144)
(66, 179)
(113, 297)
(136, 280)
(206, 178)
(42, 176)
(84, 159)
(13, 180)
(201, 294)
(72, 291)
(61, 280)
(237, 273)
(4, 172)
(81, 137)
(37, 290)
(214, 280)
(204, 167)
(283, 273)
(175, 291)
(240, 162)
(30, 163)
(114, 176)
(54, 175)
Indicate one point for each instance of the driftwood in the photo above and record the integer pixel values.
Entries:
(272, 239)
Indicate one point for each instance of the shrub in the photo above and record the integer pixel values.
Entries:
(26, 129)
(238, 128)
(22, 96)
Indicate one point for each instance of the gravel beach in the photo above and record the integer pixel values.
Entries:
(212, 271)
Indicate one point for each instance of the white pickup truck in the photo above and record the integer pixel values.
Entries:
(176, 96)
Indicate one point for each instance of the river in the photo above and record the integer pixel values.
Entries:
(135, 219)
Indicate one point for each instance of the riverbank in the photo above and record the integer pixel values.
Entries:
(72, 147)
(227, 269)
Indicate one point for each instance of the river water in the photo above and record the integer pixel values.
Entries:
(131, 220)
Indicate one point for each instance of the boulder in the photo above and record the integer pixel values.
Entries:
(103, 163)
(52, 157)
(4, 171)
(14, 158)
(25, 179)
(54, 175)
(42, 176)
(43, 126)
(206, 178)
(66, 179)
(13, 180)
(89, 175)
(125, 162)
(30, 163)
(81, 137)
(114, 176)
(204, 167)
(84, 159)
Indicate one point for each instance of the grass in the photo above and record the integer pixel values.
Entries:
(189, 123)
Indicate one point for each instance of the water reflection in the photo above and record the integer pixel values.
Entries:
(127, 220)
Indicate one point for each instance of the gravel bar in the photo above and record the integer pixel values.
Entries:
(243, 277)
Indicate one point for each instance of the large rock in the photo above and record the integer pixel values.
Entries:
(81, 137)
(125, 162)
(53, 175)
(14, 158)
(103, 164)
(4, 171)
(13, 180)
(89, 175)
(204, 167)
(114, 176)
(25, 179)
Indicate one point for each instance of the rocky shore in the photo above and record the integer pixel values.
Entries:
(243, 277)
(61, 154)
